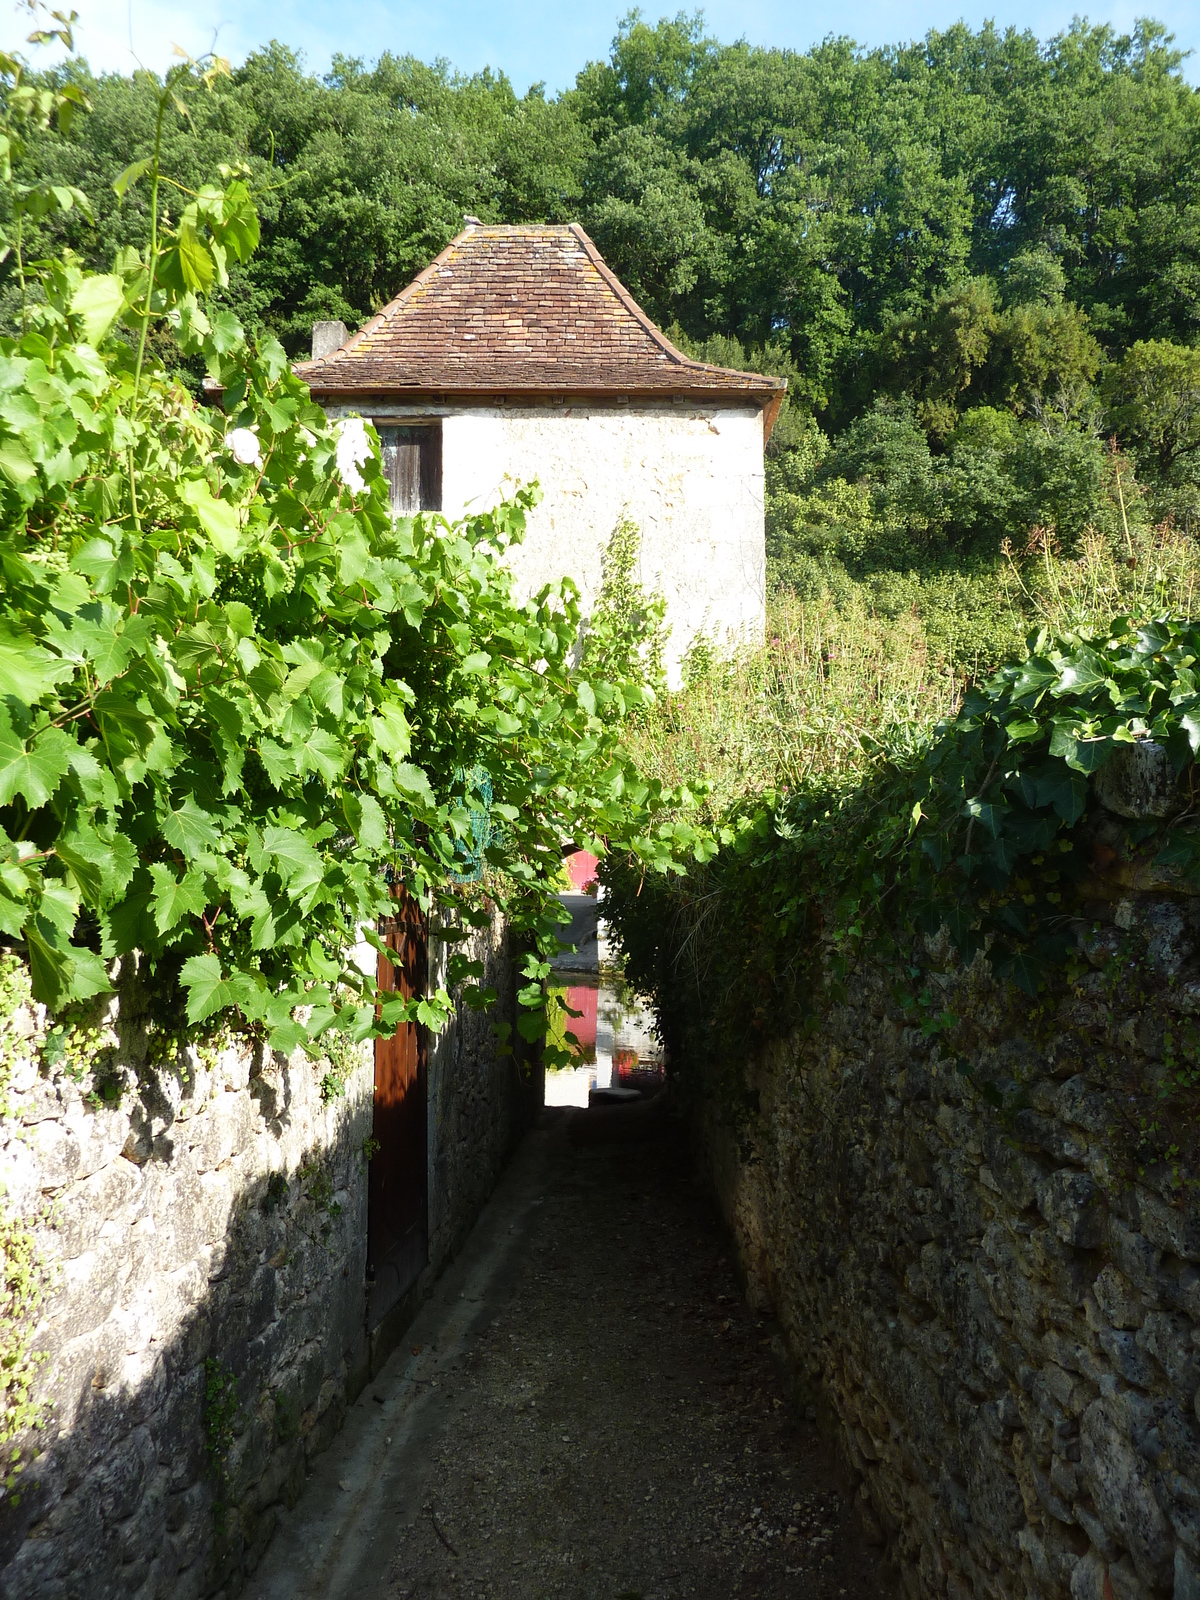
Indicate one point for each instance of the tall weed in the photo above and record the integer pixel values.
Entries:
(871, 665)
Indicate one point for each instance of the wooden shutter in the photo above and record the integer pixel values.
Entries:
(412, 459)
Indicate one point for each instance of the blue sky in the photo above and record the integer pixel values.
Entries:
(538, 40)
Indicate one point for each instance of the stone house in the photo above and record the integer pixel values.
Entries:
(518, 355)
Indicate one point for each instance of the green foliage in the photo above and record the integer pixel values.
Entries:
(626, 624)
(975, 830)
(343, 1056)
(864, 796)
(973, 221)
(23, 1279)
(234, 692)
(1153, 394)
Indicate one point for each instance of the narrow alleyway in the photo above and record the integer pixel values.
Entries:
(586, 1408)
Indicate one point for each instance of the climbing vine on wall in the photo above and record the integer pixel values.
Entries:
(977, 831)
(236, 694)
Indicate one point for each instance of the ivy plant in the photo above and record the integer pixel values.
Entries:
(981, 830)
(239, 699)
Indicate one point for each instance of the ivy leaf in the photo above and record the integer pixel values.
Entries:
(1034, 675)
(300, 866)
(323, 754)
(531, 1025)
(98, 560)
(218, 519)
(1081, 673)
(15, 462)
(1024, 969)
(367, 821)
(174, 898)
(100, 866)
(988, 816)
(1083, 754)
(207, 990)
(196, 264)
(287, 1037)
(32, 773)
(27, 670)
(391, 731)
(412, 781)
(97, 303)
(189, 829)
(131, 174)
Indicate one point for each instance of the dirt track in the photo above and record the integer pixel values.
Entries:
(609, 1424)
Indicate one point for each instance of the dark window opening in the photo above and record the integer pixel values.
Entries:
(412, 459)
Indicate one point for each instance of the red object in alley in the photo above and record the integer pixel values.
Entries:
(582, 998)
(581, 869)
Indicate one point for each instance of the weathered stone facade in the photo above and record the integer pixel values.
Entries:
(690, 476)
(993, 1297)
(205, 1319)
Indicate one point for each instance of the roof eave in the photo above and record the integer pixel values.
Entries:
(765, 390)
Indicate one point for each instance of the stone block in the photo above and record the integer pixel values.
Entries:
(86, 1291)
(221, 1130)
(82, 1209)
(1056, 1139)
(100, 1135)
(1169, 1340)
(1127, 1359)
(1115, 1300)
(56, 1151)
(1186, 1578)
(1134, 1254)
(120, 1481)
(1073, 1205)
(1095, 1578)
(21, 1176)
(1078, 1103)
(179, 1222)
(1119, 1482)
(1169, 1227)
(992, 1488)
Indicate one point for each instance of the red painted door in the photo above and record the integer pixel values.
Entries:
(397, 1190)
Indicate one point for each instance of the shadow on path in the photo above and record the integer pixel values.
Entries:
(585, 1408)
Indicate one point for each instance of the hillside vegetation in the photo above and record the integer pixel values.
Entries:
(976, 258)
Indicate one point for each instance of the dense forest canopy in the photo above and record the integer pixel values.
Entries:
(976, 258)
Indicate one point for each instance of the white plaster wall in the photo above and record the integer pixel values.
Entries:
(690, 477)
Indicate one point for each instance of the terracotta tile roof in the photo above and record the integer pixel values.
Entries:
(524, 309)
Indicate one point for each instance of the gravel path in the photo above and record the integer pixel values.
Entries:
(607, 1422)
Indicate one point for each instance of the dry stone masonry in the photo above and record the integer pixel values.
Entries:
(988, 1284)
(201, 1220)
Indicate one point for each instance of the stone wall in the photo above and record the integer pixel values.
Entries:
(202, 1221)
(479, 1103)
(986, 1283)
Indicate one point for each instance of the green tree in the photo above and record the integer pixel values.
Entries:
(1153, 395)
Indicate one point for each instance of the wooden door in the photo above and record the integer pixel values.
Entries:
(397, 1189)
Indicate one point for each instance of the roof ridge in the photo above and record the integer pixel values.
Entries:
(624, 296)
